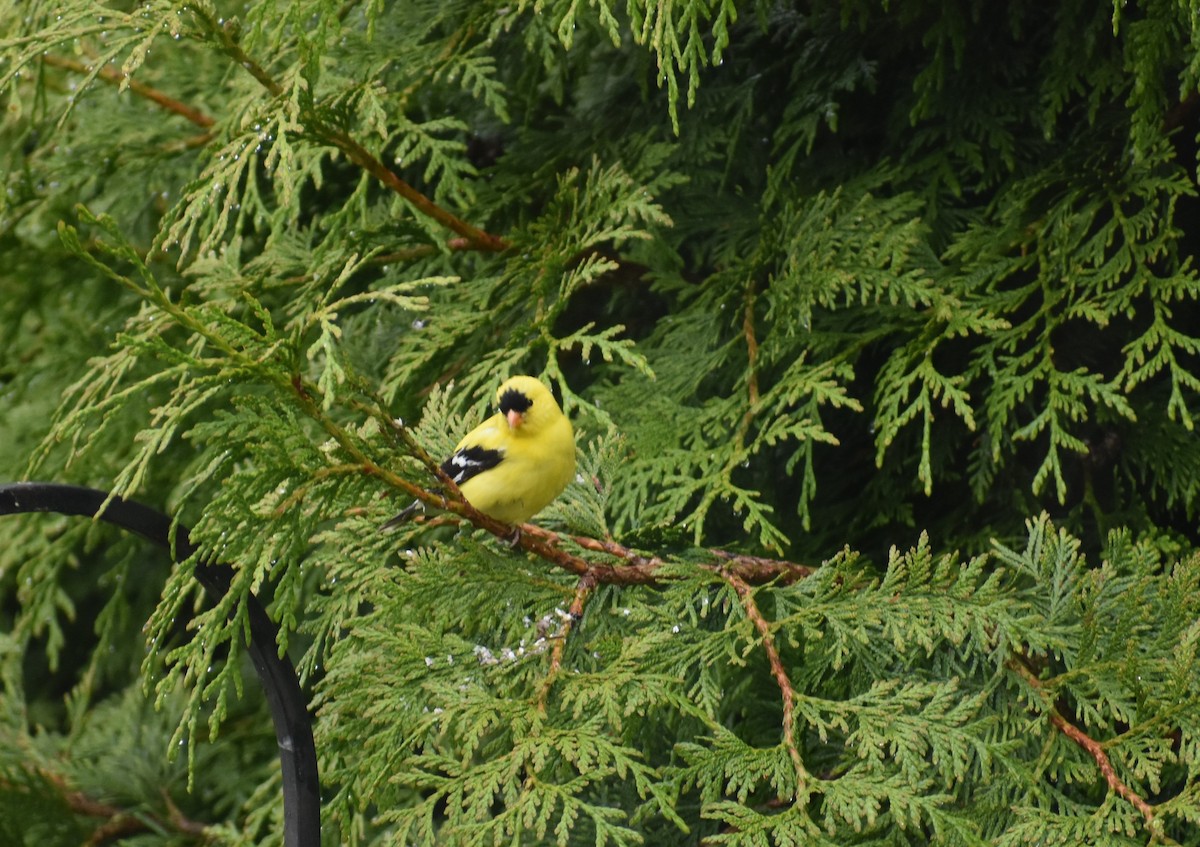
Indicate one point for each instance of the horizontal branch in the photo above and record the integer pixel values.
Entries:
(641, 569)
(634, 568)
(116, 822)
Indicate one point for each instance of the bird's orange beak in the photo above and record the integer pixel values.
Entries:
(515, 419)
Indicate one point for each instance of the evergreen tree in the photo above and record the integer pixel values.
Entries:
(876, 323)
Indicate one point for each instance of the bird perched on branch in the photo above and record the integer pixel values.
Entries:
(513, 464)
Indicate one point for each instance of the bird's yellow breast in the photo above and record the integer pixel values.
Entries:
(533, 470)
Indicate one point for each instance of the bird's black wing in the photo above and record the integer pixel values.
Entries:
(469, 462)
(460, 467)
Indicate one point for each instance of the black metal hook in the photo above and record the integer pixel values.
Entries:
(289, 711)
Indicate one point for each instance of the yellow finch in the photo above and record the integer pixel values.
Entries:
(513, 464)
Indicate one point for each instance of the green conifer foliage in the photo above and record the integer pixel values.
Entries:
(877, 323)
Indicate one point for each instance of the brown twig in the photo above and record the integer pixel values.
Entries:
(644, 570)
(1085, 742)
(746, 595)
(355, 152)
(116, 821)
(583, 590)
(301, 491)
(116, 77)
(640, 570)
(743, 427)
(762, 569)
(420, 251)
(358, 154)
(597, 545)
(1181, 112)
(226, 32)
(751, 347)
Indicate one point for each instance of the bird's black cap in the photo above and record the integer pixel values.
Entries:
(514, 401)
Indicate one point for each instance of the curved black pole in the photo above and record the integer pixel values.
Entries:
(293, 730)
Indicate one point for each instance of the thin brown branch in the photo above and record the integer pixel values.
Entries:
(358, 154)
(226, 33)
(743, 427)
(1085, 742)
(544, 543)
(762, 569)
(470, 237)
(1096, 750)
(583, 590)
(116, 77)
(301, 491)
(643, 570)
(406, 254)
(118, 827)
(355, 152)
(751, 347)
(116, 822)
(746, 595)
(598, 545)
(179, 820)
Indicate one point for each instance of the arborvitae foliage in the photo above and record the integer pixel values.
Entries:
(818, 285)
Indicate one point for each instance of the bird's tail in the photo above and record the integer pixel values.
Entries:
(403, 516)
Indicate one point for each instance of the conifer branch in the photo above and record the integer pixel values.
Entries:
(358, 154)
(116, 77)
(751, 378)
(583, 590)
(751, 349)
(1092, 747)
(119, 822)
(642, 570)
(746, 595)
(345, 469)
(355, 152)
(420, 251)
(226, 33)
(406, 254)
